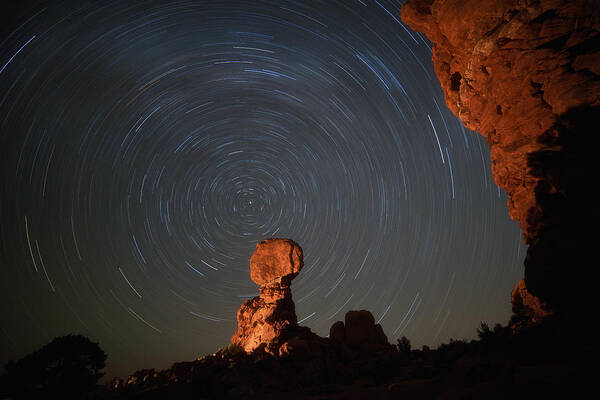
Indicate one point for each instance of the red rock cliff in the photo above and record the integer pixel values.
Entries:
(525, 74)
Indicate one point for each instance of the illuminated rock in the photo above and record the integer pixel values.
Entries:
(266, 321)
(526, 76)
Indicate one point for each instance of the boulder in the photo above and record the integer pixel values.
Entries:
(336, 332)
(276, 261)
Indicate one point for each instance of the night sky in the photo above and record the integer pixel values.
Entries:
(146, 147)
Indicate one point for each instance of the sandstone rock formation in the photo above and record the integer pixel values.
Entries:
(526, 305)
(526, 75)
(266, 321)
(359, 330)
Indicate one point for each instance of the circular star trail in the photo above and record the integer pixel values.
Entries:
(146, 147)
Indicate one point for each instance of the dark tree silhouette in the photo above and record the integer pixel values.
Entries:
(484, 332)
(404, 345)
(66, 367)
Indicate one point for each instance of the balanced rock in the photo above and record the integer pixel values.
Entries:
(268, 320)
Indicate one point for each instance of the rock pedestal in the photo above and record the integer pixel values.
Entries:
(266, 321)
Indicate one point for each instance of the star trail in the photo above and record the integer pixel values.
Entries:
(146, 147)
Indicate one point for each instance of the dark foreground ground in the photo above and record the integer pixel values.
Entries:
(555, 359)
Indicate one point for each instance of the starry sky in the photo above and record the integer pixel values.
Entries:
(146, 147)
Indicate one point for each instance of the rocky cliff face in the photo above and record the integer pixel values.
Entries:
(526, 75)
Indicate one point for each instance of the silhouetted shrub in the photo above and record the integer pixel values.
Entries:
(404, 345)
(66, 367)
(484, 332)
(496, 339)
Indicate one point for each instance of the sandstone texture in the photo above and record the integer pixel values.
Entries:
(264, 320)
(275, 261)
(525, 74)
